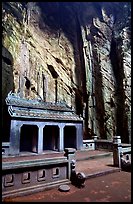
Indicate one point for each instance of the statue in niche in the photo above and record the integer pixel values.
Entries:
(27, 85)
(28, 90)
(24, 87)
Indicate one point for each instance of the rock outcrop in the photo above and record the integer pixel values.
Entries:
(78, 53)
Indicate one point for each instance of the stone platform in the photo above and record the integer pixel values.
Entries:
(91, 162)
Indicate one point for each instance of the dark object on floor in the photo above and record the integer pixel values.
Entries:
(78, 179)
(126, 163)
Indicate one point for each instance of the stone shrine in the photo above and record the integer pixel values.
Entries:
(37, 126)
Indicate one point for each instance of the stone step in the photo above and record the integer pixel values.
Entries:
(102, 173)
(96, 156)
(98, 166)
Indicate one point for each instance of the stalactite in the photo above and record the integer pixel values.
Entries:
(44, 87)
(56, 90)
(38, 79)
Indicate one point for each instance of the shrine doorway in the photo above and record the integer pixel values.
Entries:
(51, 137)
(70, 137)
(28, 138)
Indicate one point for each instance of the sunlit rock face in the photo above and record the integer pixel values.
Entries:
(78, 53)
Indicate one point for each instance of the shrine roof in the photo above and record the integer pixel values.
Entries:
(27, 108)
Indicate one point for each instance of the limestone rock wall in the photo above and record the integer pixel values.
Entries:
(76, 53)
(107, 52)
